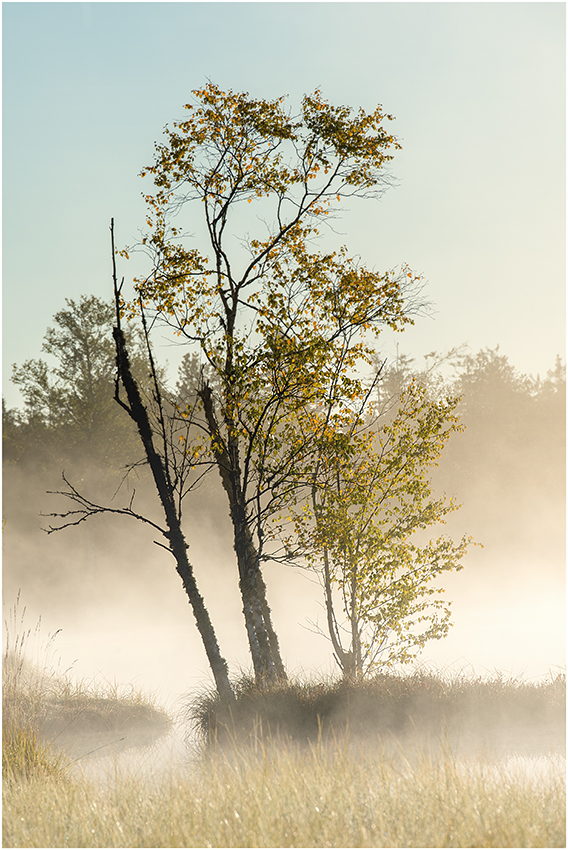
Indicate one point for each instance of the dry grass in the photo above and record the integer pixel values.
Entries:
(24, 756)
(312, 765)
(330, 794)
(501, 715)
(44, 710)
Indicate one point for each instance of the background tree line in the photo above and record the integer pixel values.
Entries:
(512, 446)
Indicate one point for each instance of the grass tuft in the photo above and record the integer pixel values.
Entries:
(45, 713)
(24, 756)
(499, 714)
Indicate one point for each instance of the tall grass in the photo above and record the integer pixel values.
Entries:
(331, 794)
(47, 715)
(324, 764)
(498, 714)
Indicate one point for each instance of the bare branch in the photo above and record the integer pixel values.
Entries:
(88, 508)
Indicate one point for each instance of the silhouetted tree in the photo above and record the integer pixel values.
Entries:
(171, 472)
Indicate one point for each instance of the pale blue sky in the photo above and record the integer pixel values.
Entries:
(478, 91)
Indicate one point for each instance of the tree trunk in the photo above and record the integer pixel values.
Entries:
(355, 634)
(263, 642)
(345, 659)
(272, 636)
(178, 545)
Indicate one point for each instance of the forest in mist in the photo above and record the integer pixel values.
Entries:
(506, 468)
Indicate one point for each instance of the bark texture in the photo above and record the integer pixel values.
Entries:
(263, 642)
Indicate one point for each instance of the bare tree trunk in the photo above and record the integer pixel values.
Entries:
(355, 636)
(272, 636)
(178, 545)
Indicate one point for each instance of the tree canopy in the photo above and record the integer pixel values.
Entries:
(364, 533)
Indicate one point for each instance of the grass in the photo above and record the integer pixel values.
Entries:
(501, 715)
(25, 756)
(49, 718)
(323, 764)
(332, 794)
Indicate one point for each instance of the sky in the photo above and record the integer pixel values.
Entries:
(477, 89)
(478, 92)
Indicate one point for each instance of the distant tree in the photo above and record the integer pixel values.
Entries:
(69, 409)
(192, 374)
(509, 464)
(435, 376)
(365, 534)
(555, 382)
(12, 427)
(488, 381)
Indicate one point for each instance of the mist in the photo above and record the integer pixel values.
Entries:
(467, 748)
(124, 616)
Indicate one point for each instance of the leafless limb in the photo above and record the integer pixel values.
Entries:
(88, 508)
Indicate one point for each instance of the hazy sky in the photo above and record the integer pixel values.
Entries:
(478, 91)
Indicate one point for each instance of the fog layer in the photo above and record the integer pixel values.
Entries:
(124, 615)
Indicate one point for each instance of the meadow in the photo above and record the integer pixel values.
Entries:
(399, 761)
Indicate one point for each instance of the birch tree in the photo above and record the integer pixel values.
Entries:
(285, 329)
(364, 531)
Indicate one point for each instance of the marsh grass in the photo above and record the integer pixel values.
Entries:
(24, 756)
(334, 793)
(497, 714)
(48, 715)
(311, 765)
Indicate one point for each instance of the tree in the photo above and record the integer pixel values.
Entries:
(171, 471)
(509, 463)
(285, 330)
(69, 411)
(362, 533)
